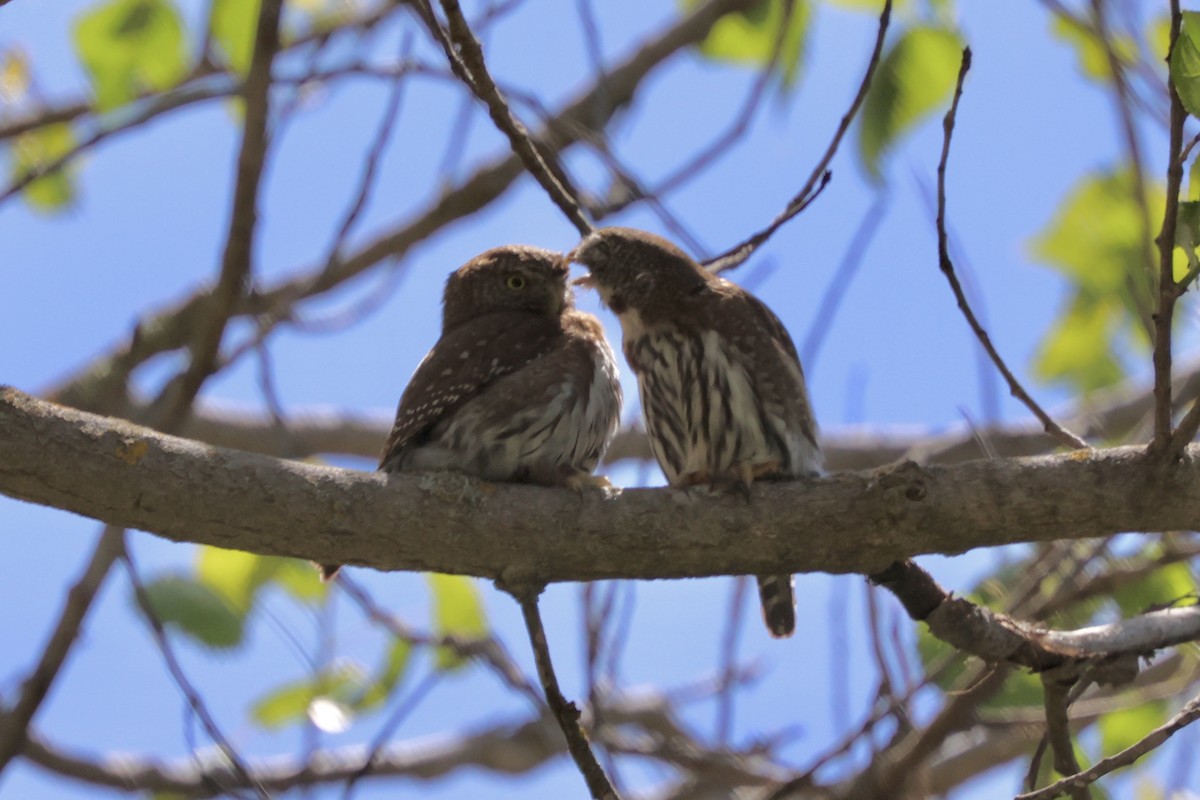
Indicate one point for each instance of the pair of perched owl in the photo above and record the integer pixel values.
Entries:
(523, 387)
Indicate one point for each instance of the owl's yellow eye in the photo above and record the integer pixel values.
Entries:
(515, 282)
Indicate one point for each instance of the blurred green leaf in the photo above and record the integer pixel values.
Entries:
(1185, 63)
(195, 609)
(300, 579)
(914, 77)
(1089, 48)
(1078, 349)
(130, 46)
(869, 6)
(395, 666)
(14, 75)
(234, 575)
(749, 37)
(1127, 726)
(1159, 588)
(457, 611)
(291, 703)
(1158, 36)
(233, 25)
(1096, 241)
(34, 150)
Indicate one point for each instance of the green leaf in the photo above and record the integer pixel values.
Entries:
(914, 77)
(458, 612)
(1127, 726)
(14, 76)
(195, 609)
(1078, 349)
(293, 702)
(1185, 63)
(749, 37)
(1095, 240)
(1159, 588)
(129, 47)
(233, 26)
(33, 151)
(1093, 58)
(395, 666)
(234, 575)
(299, 579)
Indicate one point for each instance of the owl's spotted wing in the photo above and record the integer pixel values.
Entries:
(778, 375)
(463, 362)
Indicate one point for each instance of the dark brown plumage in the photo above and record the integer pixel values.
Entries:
(722, 389)
(521, 387)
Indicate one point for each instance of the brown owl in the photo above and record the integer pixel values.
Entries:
(521, 387)
(723, 393)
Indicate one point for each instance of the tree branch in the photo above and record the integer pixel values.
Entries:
(566, 713)
(128, 475)
(466, 61)
(947, 266)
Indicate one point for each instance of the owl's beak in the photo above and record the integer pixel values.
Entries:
(586, 281)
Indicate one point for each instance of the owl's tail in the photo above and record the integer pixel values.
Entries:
(778, 604)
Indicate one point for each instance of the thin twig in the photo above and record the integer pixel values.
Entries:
(466, 60)
(736, 255)
(239, 243)
(487, 650)
(14, 721)
(843, 276)
(194, 701)
(1186, 716)
(402, 712)
(366, 181)
(728, 666)
(1164, 441)
(566, 713)
(1135, 282)
(1058, 732)
(947, 266)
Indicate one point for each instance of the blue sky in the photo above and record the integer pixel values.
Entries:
(148, 228)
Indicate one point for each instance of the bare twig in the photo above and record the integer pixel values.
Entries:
(487, 650)
(1135, 283)
(728, 668)
(239, 243)
(840, 283)
(366, 181)
(736, 255)
(566, 713)
(419, 693)
(947, 266)
(195, 702)
(14, 721)
(466, 60)
(1058, 732)
(1186, 716)
(1164, 442)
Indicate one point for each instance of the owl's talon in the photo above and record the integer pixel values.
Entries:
(583, 483)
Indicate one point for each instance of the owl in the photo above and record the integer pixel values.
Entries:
(520, 387)
(723, 392)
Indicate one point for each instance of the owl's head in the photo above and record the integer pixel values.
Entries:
(513, 278)
(633, 269)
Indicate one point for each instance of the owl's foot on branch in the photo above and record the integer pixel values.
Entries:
(583, 483)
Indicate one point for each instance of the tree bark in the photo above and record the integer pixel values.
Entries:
(127, 475)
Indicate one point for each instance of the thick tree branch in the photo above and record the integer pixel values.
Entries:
(127, 475)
